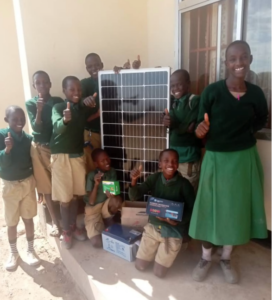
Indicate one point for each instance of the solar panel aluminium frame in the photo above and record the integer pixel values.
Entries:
(132, 71)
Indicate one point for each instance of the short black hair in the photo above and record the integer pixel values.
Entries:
(237, 42)
(12, 108)
(68, 78)
(92, 54)
(168, 150)
(40, 72)
(182, 72)
(97, 152)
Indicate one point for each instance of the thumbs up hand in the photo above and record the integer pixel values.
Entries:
(166, 121)
(8, 143)
(127, 65)
(67, 115)
(40, 103)
(98, 178)
(90, 101)
(137, 63)
(203, 128)
(135, 174)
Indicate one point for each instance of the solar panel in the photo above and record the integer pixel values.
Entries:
(131, 106)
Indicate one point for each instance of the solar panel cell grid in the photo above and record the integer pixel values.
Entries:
(131, 106)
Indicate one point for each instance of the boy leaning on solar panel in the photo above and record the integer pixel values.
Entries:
(181, 121)
(162, 237)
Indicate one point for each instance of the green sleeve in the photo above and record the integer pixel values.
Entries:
(189, 117)
(205, 104)
(90, 182)
(5, 159)
(32, 111)
(261, 113)
(138, 191)
(57, 119)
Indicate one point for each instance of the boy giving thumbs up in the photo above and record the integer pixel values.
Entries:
(67, 159)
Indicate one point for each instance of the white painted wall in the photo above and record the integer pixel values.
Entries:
(12, 92)
(59, 34)
(161, 33)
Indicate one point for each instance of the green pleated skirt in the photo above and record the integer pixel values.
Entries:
(229, 207)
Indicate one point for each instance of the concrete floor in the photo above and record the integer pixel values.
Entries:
(101, 275)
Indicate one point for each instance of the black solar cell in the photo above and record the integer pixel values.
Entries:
(131, 106)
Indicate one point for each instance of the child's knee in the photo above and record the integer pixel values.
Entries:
(27, 221)
(159, 270)
(96, 241)
(141, 264)
(64, 204)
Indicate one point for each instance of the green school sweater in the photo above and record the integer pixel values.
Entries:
(68, 138)
(233, 123)
(42, 132)
(101, 196)
(177, 189)
(183, 112)
(16, 165)
(89, 87)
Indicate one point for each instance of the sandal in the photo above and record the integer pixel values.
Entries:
(55, 232)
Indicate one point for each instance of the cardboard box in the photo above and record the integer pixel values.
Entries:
(112, 186)
(120, 240)
(163, 208)
(134, 214)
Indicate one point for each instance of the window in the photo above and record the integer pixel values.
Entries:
(257, 32)
(206, 29)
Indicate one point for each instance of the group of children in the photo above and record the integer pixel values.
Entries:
(228, 209)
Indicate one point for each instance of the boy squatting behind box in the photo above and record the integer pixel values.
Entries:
(67, 160)
(162, 238)
(181, 120)
(100, 207)
(39, 111)
(17, 184)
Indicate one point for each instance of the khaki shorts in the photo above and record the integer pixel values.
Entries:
(154, 247)
(94, 216)
(19, 199)
(42, 167)
(191, 172)
(68, 177)
(95, 140)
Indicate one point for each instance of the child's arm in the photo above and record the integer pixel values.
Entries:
(6, 145)
(93, 194)
(35, 114)
(261, 113)
(60, 118)
(135, 191)
(94, 116)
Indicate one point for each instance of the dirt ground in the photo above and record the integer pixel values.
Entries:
(49, 281)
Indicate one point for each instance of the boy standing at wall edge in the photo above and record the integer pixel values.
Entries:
(17, 184)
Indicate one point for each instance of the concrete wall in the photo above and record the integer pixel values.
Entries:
(10, 72)
(59, 34)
